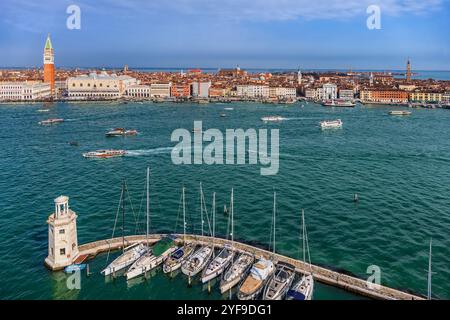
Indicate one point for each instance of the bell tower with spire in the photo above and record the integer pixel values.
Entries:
(408, 71)
(49, 64)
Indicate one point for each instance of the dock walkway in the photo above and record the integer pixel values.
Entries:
(321, 274)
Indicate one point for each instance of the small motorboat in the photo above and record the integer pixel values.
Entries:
(175, 260)
(103, 154)
(236, 272)
(399, 113)
(279, 284)
(127, 258)
(302, 290)
(272, 119)
(73, 143)
(43, 110)
(197, 261)
(223, 115)
(331, 124)
(50, 121)
(219, 264)
(229, 109)
(260, 273)
(121, 132)
(75, 268)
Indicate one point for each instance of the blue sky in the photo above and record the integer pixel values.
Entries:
(211, 33)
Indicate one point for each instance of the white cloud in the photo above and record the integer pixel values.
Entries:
(278, 10)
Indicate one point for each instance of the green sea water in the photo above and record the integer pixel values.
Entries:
(399, 166)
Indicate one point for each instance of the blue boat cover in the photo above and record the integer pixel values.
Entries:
(178, 254)
(295, 295)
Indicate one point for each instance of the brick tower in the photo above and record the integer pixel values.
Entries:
(49, 64)
(408, 71)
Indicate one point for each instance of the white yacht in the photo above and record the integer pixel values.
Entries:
(331, 124)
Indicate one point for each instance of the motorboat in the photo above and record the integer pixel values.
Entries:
(121, 132)
(253, 285)
(218, 265)
(272, 119)
(279, 284)
(331, 124)
(105, 154)
(50, 121)
(237, 271)
(338, 103)
(400, 113)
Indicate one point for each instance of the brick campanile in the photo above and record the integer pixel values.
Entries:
(49, 64)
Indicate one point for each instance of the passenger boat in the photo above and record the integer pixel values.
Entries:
(279, 284)
(338, 103)
(121, 132)
(153, 257)
(175, 260)
(236, 272)
(260, 273)
(50, 121)
(399, 113)
(219, 264)
(200, 258)
(272, 119)
(130, 254)
(105, 154)
(304, 288)
(331, 124)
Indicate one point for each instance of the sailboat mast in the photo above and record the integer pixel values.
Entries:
(123, 215)
(148, 206)
(232, 217)
(303, 235)
(201, 206)
(184, 218)
(274, 219)
(429, 272)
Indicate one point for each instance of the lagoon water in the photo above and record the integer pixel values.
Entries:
(399, 167)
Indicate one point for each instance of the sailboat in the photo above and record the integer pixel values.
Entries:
(196, 262)
(304, 288)
(236, 272)
(219, 264)
(261, 271)
(130, 254)
(153, 257)
(175, 260)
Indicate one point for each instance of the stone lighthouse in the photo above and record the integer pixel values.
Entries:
(62, 235)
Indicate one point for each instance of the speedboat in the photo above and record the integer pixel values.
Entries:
(236, 272)
(196, 262)
(260, 273)
(127, 258)
(399, 113)
(331, 124)
(51, 121)
(280, 283)
(338, 103)
(303, 289)
(175, 260)
(219, 264)
(105, 154)
(153, 258)
(121, 132)
(272, 119)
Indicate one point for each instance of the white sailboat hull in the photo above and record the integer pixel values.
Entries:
(125, 260)
(240, 269)
(202, 257)
(211, 273)
(146, 264)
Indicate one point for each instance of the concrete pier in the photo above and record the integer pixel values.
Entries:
(330, 277)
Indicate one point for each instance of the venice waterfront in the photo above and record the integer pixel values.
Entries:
(397, 165)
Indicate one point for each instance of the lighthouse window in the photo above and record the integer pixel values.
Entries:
(62, 231)
(62, 251)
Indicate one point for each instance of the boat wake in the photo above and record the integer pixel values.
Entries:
(148, 152)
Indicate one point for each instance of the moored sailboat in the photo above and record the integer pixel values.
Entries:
(304, 288)
(219, 264)
(236, 272)
(175, 260)
(130, 254)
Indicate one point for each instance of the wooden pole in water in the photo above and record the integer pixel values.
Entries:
(87, 270)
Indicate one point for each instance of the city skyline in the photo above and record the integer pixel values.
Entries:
(331, 34)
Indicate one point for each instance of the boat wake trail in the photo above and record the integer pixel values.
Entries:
(148, 152)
